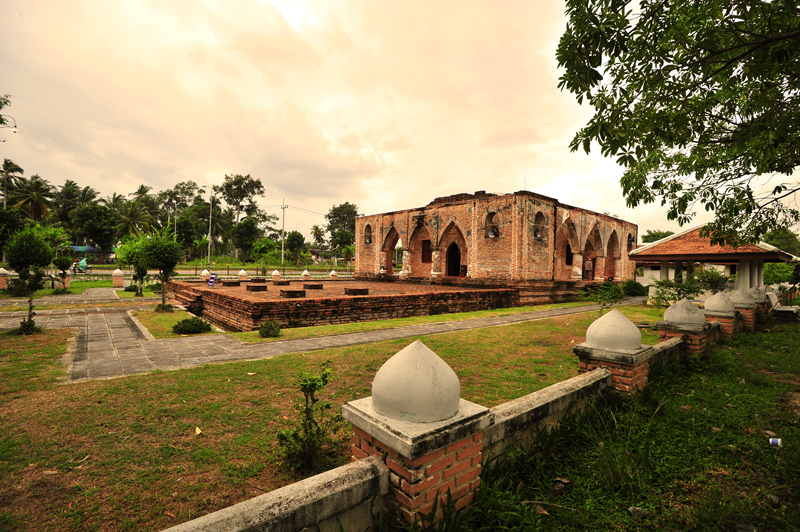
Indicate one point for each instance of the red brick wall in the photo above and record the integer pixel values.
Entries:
(515, 254)
(748, 317)
(418, 483)
(694, 342)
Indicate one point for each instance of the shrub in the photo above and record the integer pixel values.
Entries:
(193, 325)
(270, 329)
(155, 287)
(131, 288)
(604, 295)
(310, 446)
(163, 307)
(634, 289)
(16, 288)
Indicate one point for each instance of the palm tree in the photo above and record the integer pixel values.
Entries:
(65, 201)
(114, 201)
(10, 169)
(141, 192)
(318, 234)
(35, 195)
(133, 219)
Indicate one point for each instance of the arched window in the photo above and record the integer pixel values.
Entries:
(368, 234)
(538, 225)
(491, 226)
(569, 255)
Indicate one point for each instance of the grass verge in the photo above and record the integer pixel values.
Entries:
(76, 288)
(122, 294)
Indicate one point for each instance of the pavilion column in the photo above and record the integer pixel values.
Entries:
(664, 270)
(753, 273)
(760, 276)
(744, 274)
(678, 271)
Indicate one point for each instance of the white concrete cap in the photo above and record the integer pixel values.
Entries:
(758, 294)
(275, 272)
(333, 273)
(242, 272)
(741, 297)
(770, 288)
(416, 385)
(205, 273)
(614, 331)
(719, 303)
(116, 273)
(305, 272)
(684, 311)
(3, 271)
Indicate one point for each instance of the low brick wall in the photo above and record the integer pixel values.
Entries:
(237, 313)
(346, 495)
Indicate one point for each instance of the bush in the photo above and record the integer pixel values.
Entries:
(270, 329)
(155, 287)
(131, 288)
(605, 295)
(634, 289)
(16, 288)
(163, 307)
(310, 446)
(192, 325)
(27, 327)
(778, 272)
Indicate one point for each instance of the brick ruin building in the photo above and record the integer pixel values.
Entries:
(519, 239)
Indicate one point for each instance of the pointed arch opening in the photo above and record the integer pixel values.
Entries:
(456, 258)
(612, 256)
(567, 244)
(388, 249)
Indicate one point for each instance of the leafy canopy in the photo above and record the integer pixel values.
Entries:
(654, 236)
(699, 101)
(342, 218)
(240, 192)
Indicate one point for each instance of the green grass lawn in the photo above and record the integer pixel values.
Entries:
(122, 294)
(160, 323)
(364, 326)
(123, 454)
(76, 288)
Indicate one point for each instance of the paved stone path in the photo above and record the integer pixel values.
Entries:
(111, 343)
(89, 296)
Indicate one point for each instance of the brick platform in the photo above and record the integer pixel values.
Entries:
(312, 286)
(256, 288)
(237, 309)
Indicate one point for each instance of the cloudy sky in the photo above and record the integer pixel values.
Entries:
(383, 104)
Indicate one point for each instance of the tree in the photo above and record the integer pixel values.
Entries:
(783, 239)
(294, 244)
(11, 221)
(34, 195)
(131, 253)
(318, 234)
(133, 218)
(342, 239)
(98, 224)
(654, 236)
(162, 254)
(28, 255)
(11, 172)
(605, 295)
(698, 100)
(342, 217)
(240, 192)
(245, 234)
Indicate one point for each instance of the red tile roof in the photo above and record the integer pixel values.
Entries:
(692, 244)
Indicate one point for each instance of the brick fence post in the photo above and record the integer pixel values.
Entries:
(613, 342)
(430, 438)
(685, 320)
(745, 304)
(3, 279)
(720, 308)
(117, 278)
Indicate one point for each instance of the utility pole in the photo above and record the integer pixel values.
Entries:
(283, 234)
(210, 213)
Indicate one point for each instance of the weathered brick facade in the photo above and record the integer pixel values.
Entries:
(509, 239)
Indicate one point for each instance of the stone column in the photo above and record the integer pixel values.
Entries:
(664, 270)
(743, 275)
(430, 438)
(405, 273)
(436, 266)
(720, 308)
(745, 304)
(760, 276)
(577, 266)
(334, 275)
(3, 279)
(276, 275)
(684, 320)
(678, 271)
(613, 342)
(117, 278)
(753, 273)
(242, 275)
(205, 276)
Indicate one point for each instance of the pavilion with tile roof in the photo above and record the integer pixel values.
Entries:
(689, 247)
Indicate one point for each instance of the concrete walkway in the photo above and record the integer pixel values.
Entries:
(111, 343)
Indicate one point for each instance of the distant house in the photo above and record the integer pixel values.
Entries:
(679, 252)
(320, 255)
